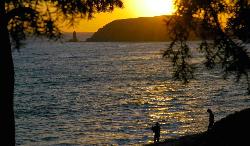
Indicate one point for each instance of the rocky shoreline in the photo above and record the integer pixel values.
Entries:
(232, 130)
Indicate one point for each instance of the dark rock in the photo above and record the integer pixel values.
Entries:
(232, 130)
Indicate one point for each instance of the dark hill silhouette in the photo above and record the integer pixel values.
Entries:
(232, 130)
(134, 29)
(141, 29)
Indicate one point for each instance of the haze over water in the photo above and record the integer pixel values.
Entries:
(112, 93)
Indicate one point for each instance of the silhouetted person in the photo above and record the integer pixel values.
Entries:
(157, 130)
(211, 119)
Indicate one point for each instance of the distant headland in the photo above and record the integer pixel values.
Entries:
(143, 29)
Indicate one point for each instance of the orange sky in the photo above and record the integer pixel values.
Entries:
(132, 9)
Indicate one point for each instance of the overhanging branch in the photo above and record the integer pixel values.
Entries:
(20, 11)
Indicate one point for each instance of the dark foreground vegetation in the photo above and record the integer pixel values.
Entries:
(22, 18)
(232, 130)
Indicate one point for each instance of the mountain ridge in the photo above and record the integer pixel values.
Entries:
(142, 29)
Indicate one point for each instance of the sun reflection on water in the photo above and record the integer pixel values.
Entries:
(165, 106)
(111, 93)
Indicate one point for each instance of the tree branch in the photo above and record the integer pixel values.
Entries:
(20, 11)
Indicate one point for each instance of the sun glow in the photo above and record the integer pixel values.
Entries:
(155, 7)
(132, 9)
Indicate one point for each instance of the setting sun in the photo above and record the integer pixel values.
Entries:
(132, 9)
(155, 8)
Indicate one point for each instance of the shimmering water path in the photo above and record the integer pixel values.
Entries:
(111, 93)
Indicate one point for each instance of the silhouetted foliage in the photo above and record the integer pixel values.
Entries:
(227, 21)
(21, 18)
(41, 17)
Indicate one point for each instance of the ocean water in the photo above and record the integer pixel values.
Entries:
(69, 94)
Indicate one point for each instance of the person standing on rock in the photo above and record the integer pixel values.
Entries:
(211, 119)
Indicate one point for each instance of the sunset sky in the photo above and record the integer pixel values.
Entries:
(132, 9)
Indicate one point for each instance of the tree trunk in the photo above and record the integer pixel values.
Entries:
(7, 120)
